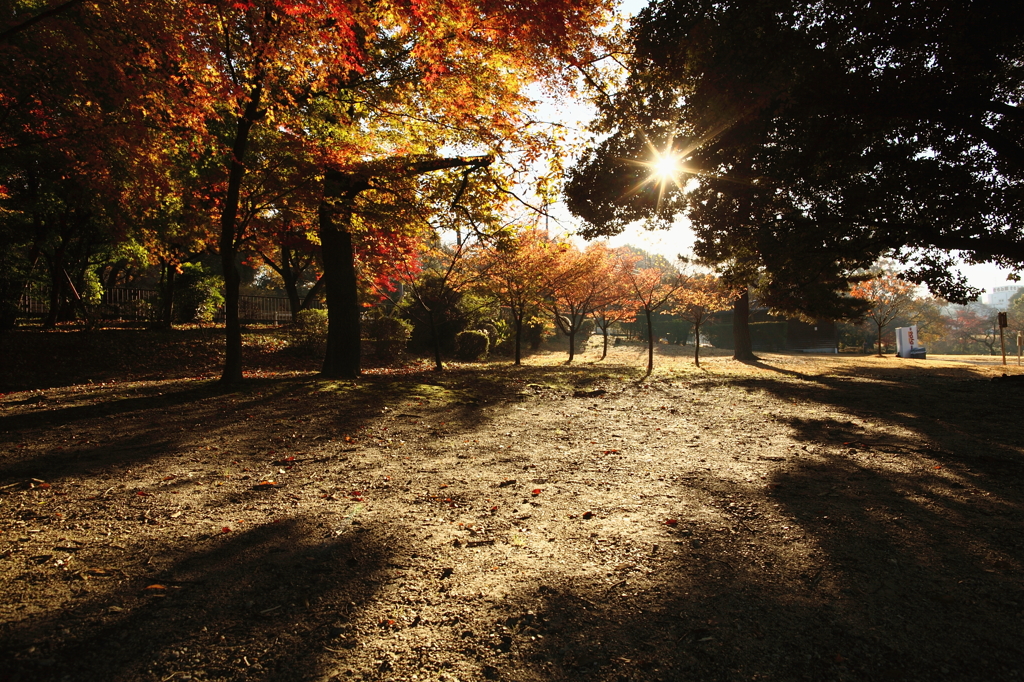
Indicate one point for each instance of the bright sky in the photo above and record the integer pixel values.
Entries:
(679, 239)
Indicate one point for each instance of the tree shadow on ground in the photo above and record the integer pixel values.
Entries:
(272, 603)
(898, 556)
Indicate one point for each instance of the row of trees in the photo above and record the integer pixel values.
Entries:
(531, 276)
(152, 133)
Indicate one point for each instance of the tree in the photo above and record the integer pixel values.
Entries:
(337, 84)
(513, 268)
(336, 219)
(820, 136)
(652, 289)
(965, 326)
(578, 283)
(889, 296)
(1015, 312)
(699, 297)
(613, 305)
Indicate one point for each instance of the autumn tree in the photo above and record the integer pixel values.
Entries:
(698, 298)
(579, 282)
(338, 84)
(653, 288)
(613, 305)
(513, 268)
(437, 282)
(965, 326)
(889, 296)
(1015, 311)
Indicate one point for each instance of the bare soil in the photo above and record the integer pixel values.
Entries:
(801, 518)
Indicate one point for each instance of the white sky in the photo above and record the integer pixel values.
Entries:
(679, 239)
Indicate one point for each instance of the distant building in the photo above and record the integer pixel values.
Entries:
(1000, 297)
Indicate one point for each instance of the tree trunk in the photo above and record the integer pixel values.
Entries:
(519, 339)
(881, 352)
(291, 282)
(572, 343)
(228, 236)
(435, 337)
(341, 361)
(166, 317)
(604, 348)
(696, 345)
(311, 295)
(743, 349)
(650, 342)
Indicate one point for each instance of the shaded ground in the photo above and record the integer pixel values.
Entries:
(806, 518)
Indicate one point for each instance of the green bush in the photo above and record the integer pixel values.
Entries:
(197, 294)
(533, 334)
(311, 330)
(471, 345)
(389, 337)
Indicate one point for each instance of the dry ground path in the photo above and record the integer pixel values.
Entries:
(804, 518)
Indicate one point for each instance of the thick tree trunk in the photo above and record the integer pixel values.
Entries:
(342, 359)
(572, 344)
(743, 349)
(604, 348)
(228, 237)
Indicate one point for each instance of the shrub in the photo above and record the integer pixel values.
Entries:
(197, 294)
(471, 345)
(389, 336)
(311, 330)
(448, 317)
(533, 334)
(584, 333)
(492, 332)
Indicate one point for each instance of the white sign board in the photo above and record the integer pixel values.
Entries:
(906, 340)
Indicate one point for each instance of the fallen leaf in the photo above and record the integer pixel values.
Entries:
(588, 515)
(156, 587)
(142, 493)
(168, 478)
(671, 522)
(267, 485)
(225, 529)
(536, 491)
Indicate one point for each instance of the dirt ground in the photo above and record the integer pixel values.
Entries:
(801, 518)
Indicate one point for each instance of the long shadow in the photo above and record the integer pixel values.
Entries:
(271, 603)
(897, 556)
(170, 418)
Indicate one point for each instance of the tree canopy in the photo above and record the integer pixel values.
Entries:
(813, 138)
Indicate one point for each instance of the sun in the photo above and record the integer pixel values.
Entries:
(665, 166)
